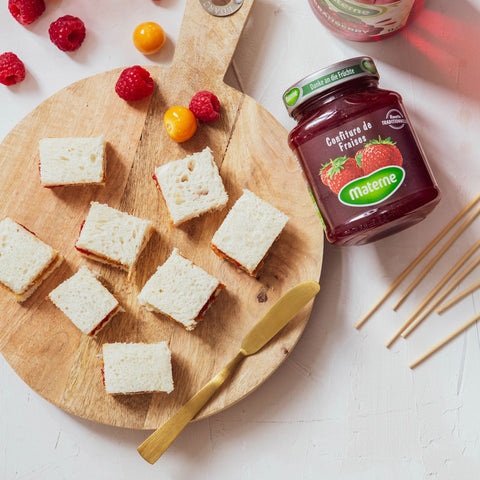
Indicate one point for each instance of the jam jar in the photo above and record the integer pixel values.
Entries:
(364, 166)
(365, 20)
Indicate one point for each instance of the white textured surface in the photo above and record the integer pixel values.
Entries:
(191, 186)
(249, 230)
(179, 289)
(23, 256)
(342, 406)
(72, 161)
(114, 235)
(84, 300)
(137, 367)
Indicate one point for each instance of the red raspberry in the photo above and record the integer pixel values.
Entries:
(205, 106)
(67, 33)
(12, 69)
(134, 84)
(26, 11)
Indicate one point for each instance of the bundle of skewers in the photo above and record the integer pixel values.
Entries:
(436, 299)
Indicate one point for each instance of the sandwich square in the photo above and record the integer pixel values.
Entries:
(113, 237)
(180, 290)
(72, 161)
(85, 301)
(191, 186)
(137, 368)
(25, 261)
(248, 232)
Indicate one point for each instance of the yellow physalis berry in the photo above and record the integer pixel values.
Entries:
(149, 38)
(180, 123)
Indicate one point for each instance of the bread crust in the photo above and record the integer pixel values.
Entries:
(37, 281)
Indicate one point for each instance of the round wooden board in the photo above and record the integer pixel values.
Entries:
(251, 150)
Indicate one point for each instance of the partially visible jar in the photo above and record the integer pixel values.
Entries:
(364, 20)
(364, 165)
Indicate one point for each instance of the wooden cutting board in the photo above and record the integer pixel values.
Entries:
(250, 147)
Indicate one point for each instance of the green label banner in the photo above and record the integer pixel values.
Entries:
(374, 188)
(356, 9)
(331, 78)
(292, 96)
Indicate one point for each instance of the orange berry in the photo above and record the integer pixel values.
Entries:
(149, 38)
(180, 123)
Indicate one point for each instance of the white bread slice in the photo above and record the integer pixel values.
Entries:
(181, 290)
(248, 232)
(113, 237)
(85, 301)
(72, 161)
(191, 186)
(137, 368)
(25, 261)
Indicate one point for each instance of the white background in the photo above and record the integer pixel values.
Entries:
(341, 406)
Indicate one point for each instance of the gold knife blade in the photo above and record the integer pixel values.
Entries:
(281, 312)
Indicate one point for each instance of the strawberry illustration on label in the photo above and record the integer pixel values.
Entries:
(324, 173)
(340, 171)
(377, 154)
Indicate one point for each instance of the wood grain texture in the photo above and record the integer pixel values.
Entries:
(250, 147)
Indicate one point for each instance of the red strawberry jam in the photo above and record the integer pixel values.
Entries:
(365, 168)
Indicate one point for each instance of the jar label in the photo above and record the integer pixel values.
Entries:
(364, 161)
(374, 188)
(363, 17)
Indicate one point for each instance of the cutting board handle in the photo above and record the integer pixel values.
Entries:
(206, 43)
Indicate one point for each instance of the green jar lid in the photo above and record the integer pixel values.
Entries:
(327, 78)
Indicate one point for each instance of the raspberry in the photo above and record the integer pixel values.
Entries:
(26, 11)
(67, 33)
(134, 84)
(12, 69)
(205, 106)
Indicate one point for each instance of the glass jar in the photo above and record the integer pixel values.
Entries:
(364, 166)
(364, 20)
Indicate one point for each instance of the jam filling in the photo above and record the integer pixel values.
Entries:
(212, 298)
(253, 273)
(103, 322)
(161, 193)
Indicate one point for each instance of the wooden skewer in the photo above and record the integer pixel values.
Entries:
(435, 259)
(394, 285)
(409, 321)
(417, 260)
(442, 297)
(457, 298)
(412, 321)
(447, 339)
